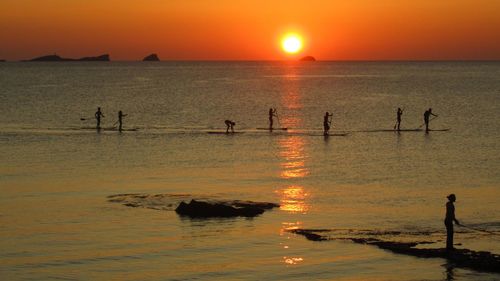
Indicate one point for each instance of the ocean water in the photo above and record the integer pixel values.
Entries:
(57, 173)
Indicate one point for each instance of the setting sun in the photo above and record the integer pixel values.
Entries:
(291, 43)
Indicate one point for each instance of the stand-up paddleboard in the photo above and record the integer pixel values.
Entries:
(439, 130)
(335, 135)
(389, 130)
(403, 130)
(109, 129)
(123, 130)
(274, 129)
(223, 133)
(89, 128)
(318, 135)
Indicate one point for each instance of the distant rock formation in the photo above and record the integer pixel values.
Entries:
(49, 58)
(58, 58)
(104, 57)
(152, 57)
(308, 58)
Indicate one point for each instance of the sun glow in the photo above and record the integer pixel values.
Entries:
(291, 43)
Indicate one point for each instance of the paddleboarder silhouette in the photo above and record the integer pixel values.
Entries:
(398, 119)
(229, 124)
(98, 116)
(120, 121)
(327, 121)
(272, 113)
(428, 114)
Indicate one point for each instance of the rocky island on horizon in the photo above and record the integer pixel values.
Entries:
(56, 58)
(308, 58)
(152, 57)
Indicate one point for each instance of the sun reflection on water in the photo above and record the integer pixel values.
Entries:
(292, 152)
(289, 260)
(292, 260)
(293, 100)
(293, 163)
(293, 167)
(293, 199)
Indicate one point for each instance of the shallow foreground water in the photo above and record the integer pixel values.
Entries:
(56, 172)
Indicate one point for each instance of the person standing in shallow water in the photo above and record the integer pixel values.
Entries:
(120, 121)
(98, 116)
(448, 221)
(326, 123)
(398, 118)
(428, 114)
(272, 113)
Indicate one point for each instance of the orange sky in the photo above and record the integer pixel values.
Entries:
(251, 29)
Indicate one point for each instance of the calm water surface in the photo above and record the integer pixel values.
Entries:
(56, 172)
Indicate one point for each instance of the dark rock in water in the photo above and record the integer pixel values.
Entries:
(58, 58)
(2, 60)
(310, 235)
(168, 202)
(201, 209)
(152, 57)
(480, 261)
(308, 58)
(261, 205)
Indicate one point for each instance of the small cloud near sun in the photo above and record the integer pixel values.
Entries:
(292, 43)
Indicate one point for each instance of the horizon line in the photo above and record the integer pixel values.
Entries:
(273, 60)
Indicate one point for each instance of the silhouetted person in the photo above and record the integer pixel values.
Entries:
(229, 124)
(428, 114)
(120, 121)
(98, 116)
(448, 221)
(398, 118)
(326, 123)
(272, 113)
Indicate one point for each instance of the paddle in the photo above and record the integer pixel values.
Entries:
(478, 229)
(329, 123)
(277, 118)
(429, 121)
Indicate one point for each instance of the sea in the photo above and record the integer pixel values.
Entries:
(81, 204)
